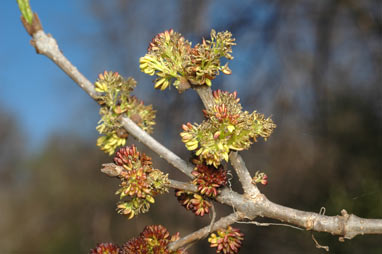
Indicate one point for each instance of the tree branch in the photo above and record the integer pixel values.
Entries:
(113, 170)
(203, 232)
(345, 225)
(182, 186)
(205, 94)
(47, 45)
(242, 172)
(157, 147)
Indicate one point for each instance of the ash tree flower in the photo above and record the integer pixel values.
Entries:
(174, 61)
(260, 177)
(194, 202)
(153, 240)
(140, 182)
(227, 241)
(105, 248)
(226, 128)
(209, 179)
(116, 101)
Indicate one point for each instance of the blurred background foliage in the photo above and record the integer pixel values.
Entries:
(315, 66)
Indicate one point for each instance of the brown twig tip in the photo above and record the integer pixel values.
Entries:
(34, 27)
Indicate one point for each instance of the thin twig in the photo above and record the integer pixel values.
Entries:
(47, 45)
(157, 147)
(205, 231)
(266, 224)
(213, 217)
(113, 170)
(182, 186)
(245, 179)
(209, 230)
(319, 246)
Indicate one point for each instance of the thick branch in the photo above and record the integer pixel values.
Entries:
(345, 225)
(203, 232)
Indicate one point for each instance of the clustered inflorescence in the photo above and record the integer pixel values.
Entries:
(226, 127)
(153, 240)
(174, 61)
(208, 180)
(115, 101)
(227, 241)
(106, 248)
(140, 182)
(260, 177)
(193, 202)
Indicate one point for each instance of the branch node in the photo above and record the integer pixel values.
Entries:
(345, 214)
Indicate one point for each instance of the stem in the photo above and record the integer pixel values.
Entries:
(113, 170)
(48, 46)
(182, 186)
(203, 232)
(157, 147)
(205, 94)
(25, 10)
(244, 177)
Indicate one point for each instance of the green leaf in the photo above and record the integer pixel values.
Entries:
(26, 10)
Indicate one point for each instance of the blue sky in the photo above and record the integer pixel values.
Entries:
(36, 92)
(40, 96)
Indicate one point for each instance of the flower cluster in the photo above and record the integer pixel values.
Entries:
(226, 240)
(208, 179)
(140, 182)
(115, 100)
(105, 248)
(226, 127)
(260, 177)
(173, 59)
(193, 202)
(153, 240)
